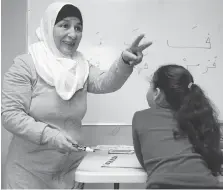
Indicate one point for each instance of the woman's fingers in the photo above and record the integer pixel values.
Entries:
(66, 147)
(69, 139)
(139, 57)
(72, 148)
(64, 143)
(133, 54)
(144, 46)
(136, 42)
(128, 56)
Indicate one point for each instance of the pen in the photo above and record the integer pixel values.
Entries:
(83, 148)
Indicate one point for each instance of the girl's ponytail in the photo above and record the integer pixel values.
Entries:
(197, 118)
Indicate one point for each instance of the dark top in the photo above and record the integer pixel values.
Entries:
(165, 159)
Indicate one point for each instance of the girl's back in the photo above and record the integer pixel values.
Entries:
(168, 160)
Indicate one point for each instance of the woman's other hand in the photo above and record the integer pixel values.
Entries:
(58, 140)
(133, 55)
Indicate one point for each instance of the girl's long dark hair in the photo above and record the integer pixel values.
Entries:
(193, 112)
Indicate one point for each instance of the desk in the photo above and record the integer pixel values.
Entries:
(90, 171)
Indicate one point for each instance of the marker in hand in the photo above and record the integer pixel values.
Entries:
(83, 148)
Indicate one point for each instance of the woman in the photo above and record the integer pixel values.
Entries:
(44, 100)
(177, 140)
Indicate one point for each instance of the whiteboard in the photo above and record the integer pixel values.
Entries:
(185, 32)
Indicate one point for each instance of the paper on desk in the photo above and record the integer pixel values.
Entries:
(114, 147)
(122, 161)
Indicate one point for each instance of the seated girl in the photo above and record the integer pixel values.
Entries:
(177, 140)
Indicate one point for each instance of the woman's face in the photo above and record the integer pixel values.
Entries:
(67, 35)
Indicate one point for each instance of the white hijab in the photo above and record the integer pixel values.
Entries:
(67, 75)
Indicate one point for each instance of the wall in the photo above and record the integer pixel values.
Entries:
(13, 39)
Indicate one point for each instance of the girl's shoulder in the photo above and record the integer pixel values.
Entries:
(146, 112)
(153, 115)
(142, 114)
